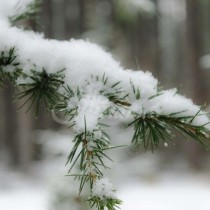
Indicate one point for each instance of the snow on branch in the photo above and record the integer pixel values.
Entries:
(83, 85)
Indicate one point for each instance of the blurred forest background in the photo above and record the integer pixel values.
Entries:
(170, 38)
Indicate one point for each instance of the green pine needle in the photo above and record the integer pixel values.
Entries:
(42, 88)
(104, 203)
(8, 59)
(2, 78)
(113, 91)
(152, 129)
(63, 109)
(89, 157)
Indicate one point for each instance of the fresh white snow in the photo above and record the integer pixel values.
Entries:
(103, 188)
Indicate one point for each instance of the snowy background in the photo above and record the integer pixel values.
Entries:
(143, 182)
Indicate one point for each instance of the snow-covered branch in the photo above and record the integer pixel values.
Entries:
(81, 82)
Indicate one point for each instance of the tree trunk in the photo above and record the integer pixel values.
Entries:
(11, 137)
(24, 137)
(47, 17)
(194, 77)
(2, 125)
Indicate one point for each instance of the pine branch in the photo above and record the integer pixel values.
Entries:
(68, 106)
(90, 157)
(2, 78)
(152, 129)
(114, 92)
(8, 65)
(43, 87)
(8, 58)
(104, 203)
(89, 153)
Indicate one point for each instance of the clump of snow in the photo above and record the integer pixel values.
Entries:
(168, 103)
(103, 188)
(86, 59)
(145, 81)
(90, 109)
(179, 106)
(79, 58)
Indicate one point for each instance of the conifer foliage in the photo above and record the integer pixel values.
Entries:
(84, 86)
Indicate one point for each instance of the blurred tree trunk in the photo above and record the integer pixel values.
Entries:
(18, 131)
(166, 38)
(82, 15)
(145, 43)
(24, 136)
(140, 44)
(47, 17)
(2, 124)
(10, 125)
(205, 7)
(194, 76)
